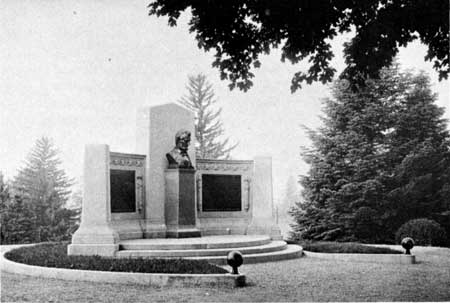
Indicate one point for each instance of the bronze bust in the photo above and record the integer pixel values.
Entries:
(178, 156)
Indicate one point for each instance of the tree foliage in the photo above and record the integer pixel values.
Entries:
(240, 31)
(208, 127)
(424, 232)
(291, 196)
(17, 219)
(43, 188)
(381, 158)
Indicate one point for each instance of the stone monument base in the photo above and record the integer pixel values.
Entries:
(265, 227)
(183, 232)
(95, 240)
(154, 230)
(107, 250)
(180, 207)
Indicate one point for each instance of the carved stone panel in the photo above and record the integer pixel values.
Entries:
(123, 191)
(127, 185)
(221, 192)
(228, 166)
(224, 185)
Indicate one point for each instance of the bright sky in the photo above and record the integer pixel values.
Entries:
(76, 71)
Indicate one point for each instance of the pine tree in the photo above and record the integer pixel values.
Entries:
(4, 190)
(208, 127)
(380, 159)
(45, 188)
(418, 160)
(290, 198)
(16, 218)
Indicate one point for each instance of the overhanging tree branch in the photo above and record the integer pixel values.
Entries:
(240, 31)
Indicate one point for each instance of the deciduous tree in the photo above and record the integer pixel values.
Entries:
(240, 31)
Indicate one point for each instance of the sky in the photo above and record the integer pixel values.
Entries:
(77, 71)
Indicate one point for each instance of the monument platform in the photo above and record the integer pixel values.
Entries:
(213, 249)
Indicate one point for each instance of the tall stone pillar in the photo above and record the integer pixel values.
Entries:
(156, 128)
(263, 221)
(95, 235)
(181, 213)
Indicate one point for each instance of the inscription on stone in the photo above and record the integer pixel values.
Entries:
(123, 191)
(221, 192)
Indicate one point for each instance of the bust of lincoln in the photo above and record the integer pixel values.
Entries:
(178, 156)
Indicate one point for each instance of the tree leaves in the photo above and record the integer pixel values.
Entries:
(240, 31)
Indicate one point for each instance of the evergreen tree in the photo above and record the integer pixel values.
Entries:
(208, 127)
(16, 218)
(4, 191)
(418, 160)
(44, 187)
(381, 158)
(290, 198)
(76, 200)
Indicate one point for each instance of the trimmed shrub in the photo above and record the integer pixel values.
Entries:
(55, 255)
(423, 231)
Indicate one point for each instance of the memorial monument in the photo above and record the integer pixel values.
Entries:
(143, 204)
(180, 190)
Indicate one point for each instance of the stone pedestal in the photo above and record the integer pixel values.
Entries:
(263, 221)
(180, 210)
(95, 235)
(156, 128)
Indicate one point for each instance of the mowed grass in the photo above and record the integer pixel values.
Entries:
(304, 279)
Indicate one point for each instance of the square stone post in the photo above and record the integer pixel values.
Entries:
(95, 235)
(263, 222)
(180, 207)
(155, 136)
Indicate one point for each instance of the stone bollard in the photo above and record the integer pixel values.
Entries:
(235, 259)
(408, 244)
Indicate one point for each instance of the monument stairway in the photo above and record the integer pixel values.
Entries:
(213, 249)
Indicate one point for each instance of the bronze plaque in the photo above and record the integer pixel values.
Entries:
(221, 192)
(123, 191)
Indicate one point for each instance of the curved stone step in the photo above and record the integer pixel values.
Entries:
(291, 252)
(266, 248)
(208, 242)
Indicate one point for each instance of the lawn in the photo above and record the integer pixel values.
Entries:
(304, 279)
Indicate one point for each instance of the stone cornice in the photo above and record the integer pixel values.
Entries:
(121, 159)
(224, 165)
